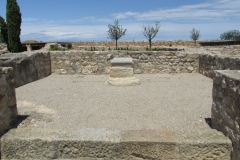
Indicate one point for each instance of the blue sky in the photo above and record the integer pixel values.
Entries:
(87, 20)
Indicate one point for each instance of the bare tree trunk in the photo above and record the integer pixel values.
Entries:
(150, 44)
(116, 44)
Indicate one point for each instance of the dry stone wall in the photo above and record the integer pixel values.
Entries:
(8, 107)
(210, 62)
(28, 67)
(140, 45)
(98, 62)
(225, 106)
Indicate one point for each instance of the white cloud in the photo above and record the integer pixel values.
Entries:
(204, 11)
(63, 32)
(211, 18)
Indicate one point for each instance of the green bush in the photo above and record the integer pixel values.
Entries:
(56, 48)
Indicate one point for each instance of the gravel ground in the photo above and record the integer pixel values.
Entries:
(179, 102)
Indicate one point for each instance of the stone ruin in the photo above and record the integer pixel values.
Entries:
(24, 68)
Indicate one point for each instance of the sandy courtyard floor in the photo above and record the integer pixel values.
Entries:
(178, 102)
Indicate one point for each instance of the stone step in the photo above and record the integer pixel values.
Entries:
(87, 144)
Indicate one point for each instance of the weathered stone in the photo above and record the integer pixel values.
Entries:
(104, 144)
(85, 63)
(190, 69)
(63, 71)
(117, 72)
(8, 106)
(126, 62)
(86, 71)
(209, 62)
(27, 66)
(225, 107)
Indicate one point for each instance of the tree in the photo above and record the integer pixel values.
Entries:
(14, 20)
(116, 31)
(3, 30)
(230, 35)
(150, 32)
(195, 35)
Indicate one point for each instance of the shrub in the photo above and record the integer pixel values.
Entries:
(56, 48)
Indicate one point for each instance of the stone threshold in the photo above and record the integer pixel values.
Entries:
(92, 143)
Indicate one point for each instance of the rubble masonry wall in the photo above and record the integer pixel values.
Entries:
(145, 62)
(226, 106)
(8, 106)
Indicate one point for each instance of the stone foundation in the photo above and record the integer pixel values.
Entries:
(225, 107)
(29, 67)
(8, 105)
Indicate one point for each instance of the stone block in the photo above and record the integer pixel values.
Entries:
(106, 144)
(119, 72)
(30, 144)
(126, 62)
(148, 144)
(27, 66)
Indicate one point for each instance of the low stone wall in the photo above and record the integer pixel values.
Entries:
(28, 67)
(141, 45)
(209, 62)
(225, 107)
(8, 107)
(98, 62)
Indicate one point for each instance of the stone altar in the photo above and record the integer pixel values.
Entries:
(121, 72)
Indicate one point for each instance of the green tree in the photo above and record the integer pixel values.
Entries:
(14, 20)
(150, 32)
(116, 31)
(230, 35)
(3, 30)
(195, 35)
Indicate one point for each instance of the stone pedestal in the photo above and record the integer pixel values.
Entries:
(121, 72)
